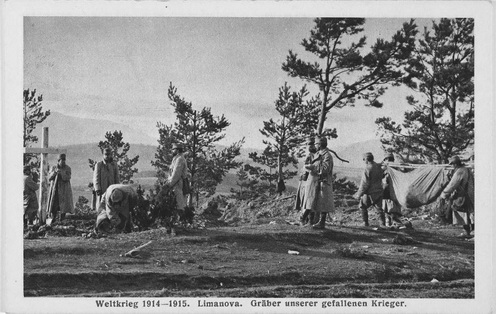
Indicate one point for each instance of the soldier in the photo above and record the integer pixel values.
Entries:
(117, 202)
(60, 194)
(319, 195)
(300, 194)
(30, 199)
(391, 208)
(370, 190)
(458, 192)
(105, 174)
(178, 171)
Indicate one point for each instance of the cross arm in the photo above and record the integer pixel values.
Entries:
(40, 150)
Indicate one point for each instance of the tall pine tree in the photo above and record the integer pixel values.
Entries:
(342, 73)
(441, 70)
(198, 131)
(285, 136)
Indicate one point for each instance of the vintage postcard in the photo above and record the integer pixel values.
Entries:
(254, 157)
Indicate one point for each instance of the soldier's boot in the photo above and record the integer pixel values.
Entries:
(365, 217)
(311, 218)
(389, 221)
(304, 217)
(382, 216)
(321, 223)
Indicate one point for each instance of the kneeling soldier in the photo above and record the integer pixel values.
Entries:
(117, 202)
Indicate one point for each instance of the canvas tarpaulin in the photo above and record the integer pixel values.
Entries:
(418, 187)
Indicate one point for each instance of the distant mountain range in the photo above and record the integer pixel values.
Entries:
(68, 130)
(80, 137)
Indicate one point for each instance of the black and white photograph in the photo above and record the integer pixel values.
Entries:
(251, 157)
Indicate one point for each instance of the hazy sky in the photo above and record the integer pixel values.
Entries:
(119, 68)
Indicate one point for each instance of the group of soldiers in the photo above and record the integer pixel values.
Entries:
(114, 201)
(315, 198)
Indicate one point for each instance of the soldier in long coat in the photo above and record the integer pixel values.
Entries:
(391, 208)
(178, 171)
(30, 199)
(300, 194)
(60, 195)
(319, 195)
(459, 191)
(105, 174)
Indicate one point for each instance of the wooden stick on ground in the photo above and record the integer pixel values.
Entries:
(134, 252)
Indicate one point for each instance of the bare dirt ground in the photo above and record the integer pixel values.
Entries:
(250, 258)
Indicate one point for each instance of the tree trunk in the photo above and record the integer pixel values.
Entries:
(323, 112)
(322, 117)
(279, 167)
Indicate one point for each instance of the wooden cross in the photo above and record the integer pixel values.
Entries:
(44, 151)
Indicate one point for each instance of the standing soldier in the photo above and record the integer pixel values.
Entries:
(370, 191)
(459, 192)
(105, 174)
(300, 194)
(319, 195)
(30, 199)
(391, 208)
(60, 195)
(178, 171)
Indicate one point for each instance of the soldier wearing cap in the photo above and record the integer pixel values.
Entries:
(319, 195)
(391, 208)
(458, 192)
(370, 191)
(60, 194)
(117, 204)
(300, 194)
(30, 200)
(105, 174)
(178, 171)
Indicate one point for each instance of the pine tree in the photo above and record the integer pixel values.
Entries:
(441, 70)
(343, 74)
(33, 115)
(286, 136)
(267, 171)
(198, 132)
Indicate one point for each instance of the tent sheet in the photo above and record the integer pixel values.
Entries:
(418, 187)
